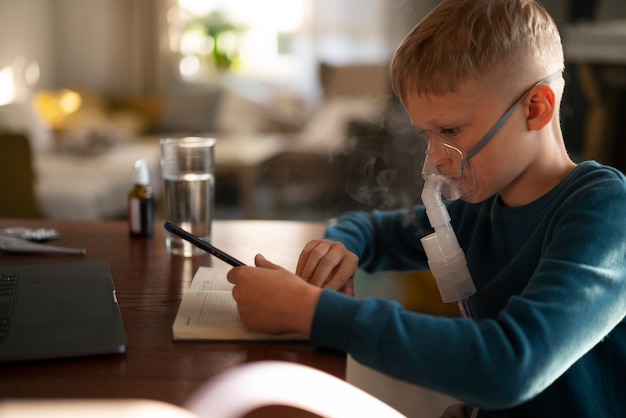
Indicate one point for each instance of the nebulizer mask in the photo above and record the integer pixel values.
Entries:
(448, 175)
(451, 165)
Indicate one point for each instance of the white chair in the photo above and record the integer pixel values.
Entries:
(245, 388)
(231, 394)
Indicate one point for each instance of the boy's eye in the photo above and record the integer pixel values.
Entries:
(449, 131)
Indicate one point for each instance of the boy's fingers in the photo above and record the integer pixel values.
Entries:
(234, 274)
(261, 261)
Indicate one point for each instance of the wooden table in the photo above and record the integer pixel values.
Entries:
(149, 285)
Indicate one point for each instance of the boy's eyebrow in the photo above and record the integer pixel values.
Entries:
(442, 122)
(454, 115)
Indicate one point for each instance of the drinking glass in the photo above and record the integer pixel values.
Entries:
(187, 166)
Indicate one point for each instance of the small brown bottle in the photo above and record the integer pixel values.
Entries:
(140, 202)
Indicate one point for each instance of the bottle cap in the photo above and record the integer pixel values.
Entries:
(141, 173)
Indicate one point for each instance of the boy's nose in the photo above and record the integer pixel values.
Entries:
(438, 156)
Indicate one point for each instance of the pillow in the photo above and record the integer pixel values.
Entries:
(327, 128)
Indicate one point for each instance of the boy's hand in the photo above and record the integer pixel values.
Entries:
(273, 300)
(325, 263)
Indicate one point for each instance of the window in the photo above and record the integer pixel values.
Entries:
(280, 43)
(259, 40)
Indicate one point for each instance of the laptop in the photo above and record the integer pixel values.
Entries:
(59, 310)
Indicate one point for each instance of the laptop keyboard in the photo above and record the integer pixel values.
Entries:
(8, 284)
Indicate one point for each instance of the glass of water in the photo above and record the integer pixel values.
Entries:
(187, 166)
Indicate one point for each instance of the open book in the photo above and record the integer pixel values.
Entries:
(209, 312)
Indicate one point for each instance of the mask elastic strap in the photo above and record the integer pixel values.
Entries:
(495, 128)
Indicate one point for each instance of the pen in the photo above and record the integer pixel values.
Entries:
(202, 244)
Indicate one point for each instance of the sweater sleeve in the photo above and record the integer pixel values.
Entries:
(384, 240)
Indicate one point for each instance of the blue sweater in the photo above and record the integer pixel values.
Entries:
(548, 336)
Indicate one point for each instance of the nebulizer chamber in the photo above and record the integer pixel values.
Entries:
(446, 258)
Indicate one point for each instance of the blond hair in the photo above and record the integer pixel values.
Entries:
(509, 41)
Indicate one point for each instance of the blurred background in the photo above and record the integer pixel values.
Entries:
(295, 91)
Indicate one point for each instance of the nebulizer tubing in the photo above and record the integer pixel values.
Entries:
(446, 258)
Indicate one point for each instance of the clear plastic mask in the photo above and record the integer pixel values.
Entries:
(450, 165)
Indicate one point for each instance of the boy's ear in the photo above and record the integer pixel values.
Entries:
(541, 107)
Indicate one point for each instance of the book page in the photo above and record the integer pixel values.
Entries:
(219, 310)
(207, 278)
(209, 312)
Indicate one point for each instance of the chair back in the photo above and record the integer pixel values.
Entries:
(17, 178)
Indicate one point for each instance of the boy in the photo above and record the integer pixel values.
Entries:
(544, 238)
